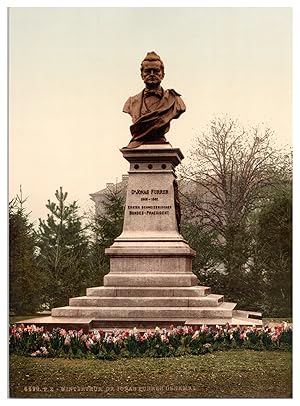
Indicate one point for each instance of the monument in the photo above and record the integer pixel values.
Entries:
(150, 282)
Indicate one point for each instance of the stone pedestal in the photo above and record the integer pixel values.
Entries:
(151, 251)
(150, 281)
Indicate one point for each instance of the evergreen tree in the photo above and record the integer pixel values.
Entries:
(24, 278)
(63, 252)
(106, 226)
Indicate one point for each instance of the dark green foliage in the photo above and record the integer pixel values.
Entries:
(63, 252)
(203, 241)
(109, 223)
(24, 278)
(274, 251)
(106, 226)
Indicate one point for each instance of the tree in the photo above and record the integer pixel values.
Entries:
(273, 254)
(24, 278)
(106, 226)
(232, 170)
(63, 251)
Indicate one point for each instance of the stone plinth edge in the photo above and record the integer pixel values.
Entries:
(153, 153)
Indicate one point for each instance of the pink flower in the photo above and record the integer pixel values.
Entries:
(63, 332)
(28, 328)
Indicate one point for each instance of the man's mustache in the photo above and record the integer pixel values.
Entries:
(152, 77)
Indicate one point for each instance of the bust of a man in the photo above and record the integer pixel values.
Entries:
(153, 108)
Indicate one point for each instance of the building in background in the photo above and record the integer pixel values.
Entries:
(99, 197)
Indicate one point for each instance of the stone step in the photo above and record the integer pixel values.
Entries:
(222, 311)
(148, 280)
(139, 324)
(247, 314)
(239, 318)
(109, 291)
(49, 322)
(89, 301)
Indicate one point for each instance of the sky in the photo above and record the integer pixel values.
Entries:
(72, 69)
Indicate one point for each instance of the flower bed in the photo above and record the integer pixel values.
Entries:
(176, 341)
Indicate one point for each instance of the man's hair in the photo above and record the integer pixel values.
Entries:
(152, 56)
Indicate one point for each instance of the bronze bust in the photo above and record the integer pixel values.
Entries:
(153, 108)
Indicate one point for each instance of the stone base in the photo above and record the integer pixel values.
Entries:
(122, 307)
(153, 280)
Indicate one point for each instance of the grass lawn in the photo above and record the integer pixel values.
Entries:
(234, 373)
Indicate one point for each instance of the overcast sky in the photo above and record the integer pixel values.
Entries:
(72, 69)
